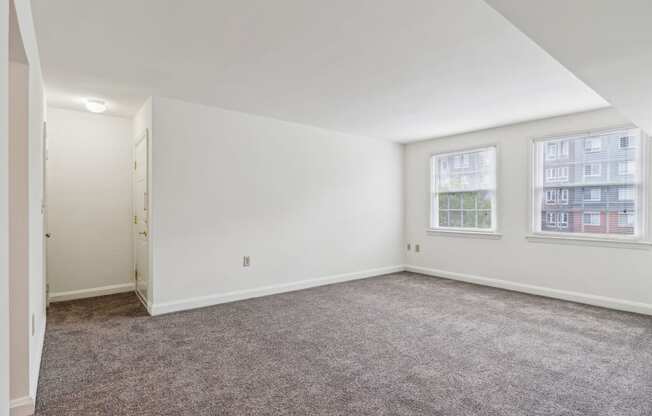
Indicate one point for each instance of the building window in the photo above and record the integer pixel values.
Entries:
(558, 174)
(626, 168)
(602, 196)
(592, 169)
(563, 196)
(563, 220)
(556, 196)
(551, 151)
(551, 196)
(591, 218)
(464, 201)
(626, 194)
(626, 219)
(592, 144)
(593, 195)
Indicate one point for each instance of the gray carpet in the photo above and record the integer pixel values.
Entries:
(401, 344)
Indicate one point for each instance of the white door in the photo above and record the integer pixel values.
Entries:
(141, 217)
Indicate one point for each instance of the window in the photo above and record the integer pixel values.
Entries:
(556, 196)
(551, 196)
(563, 220)
(626, 219)
(592, 144)
(551, 151)
(626, 168)
(603, 191)
(464, 200)
(626, 194)
(593, 169)
(559, 174)
(593, 195)
(591, 218)
(563, 196)
(557, 220)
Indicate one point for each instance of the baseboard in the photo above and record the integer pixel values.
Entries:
(23, 406)
(92, 292)
(203, 301)
(595, 300)
(146, 304)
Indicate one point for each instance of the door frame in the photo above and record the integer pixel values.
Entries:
(143, 136)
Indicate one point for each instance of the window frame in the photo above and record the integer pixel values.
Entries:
(639, 239)
(593, 139)
(433, 222)
(592, 214)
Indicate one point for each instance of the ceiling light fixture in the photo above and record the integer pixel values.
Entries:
(96, 106)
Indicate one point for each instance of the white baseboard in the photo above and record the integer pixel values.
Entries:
(215, 299)
(595, 300)
(147, 304)
(23, 406)
(92, 292)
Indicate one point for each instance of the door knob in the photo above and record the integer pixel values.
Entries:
(143, 233)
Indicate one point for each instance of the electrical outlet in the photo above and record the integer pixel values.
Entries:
(417, 248)
(409, 246)
(246, 261)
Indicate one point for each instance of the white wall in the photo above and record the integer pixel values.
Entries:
(18, 228)
(89, 198)
(304, 203)
(614, 273)
(4, 209)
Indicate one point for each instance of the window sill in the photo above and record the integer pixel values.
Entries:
(588, 241)
(489, 235)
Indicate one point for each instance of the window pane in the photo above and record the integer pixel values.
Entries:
(455, 219)
(443, 218)
(484, 219)
(484, 200)
(469, 219)
(592, 190)
(443, 201)
(468, 200)
(455, 201)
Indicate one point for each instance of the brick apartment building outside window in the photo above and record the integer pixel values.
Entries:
(589, 184)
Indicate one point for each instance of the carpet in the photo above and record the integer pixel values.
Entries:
(400, 344)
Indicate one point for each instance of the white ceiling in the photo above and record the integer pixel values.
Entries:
(607, 43)
(397, 70)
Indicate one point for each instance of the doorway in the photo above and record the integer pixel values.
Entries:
(141, 216)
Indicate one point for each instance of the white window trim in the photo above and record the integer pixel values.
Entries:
(487, 233)
(637, 241)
